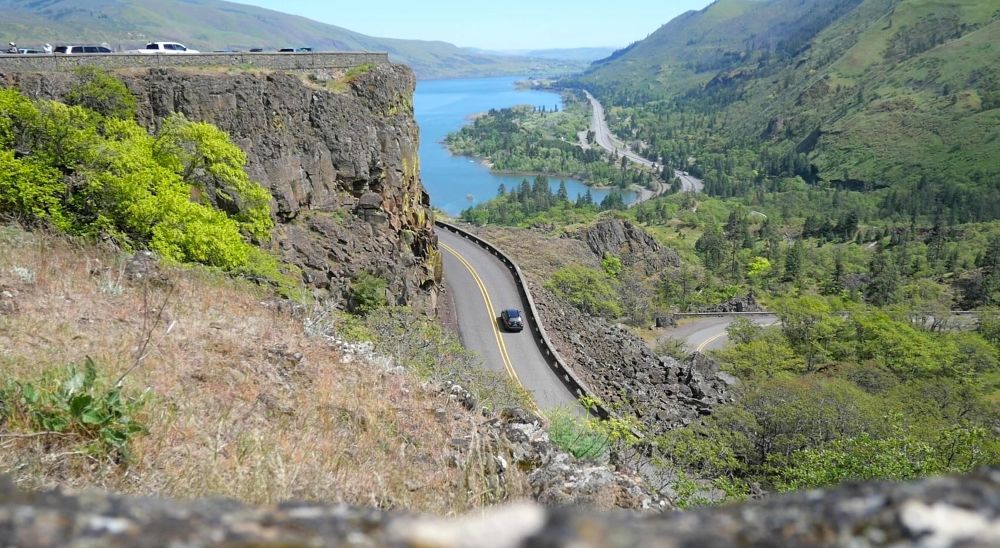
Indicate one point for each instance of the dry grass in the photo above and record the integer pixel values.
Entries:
(539, 253)
(241, 403)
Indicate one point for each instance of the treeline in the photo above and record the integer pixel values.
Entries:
(528, 140)
(831, 397)
(535, 201)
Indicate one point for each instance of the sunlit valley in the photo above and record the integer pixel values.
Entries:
(735, 281)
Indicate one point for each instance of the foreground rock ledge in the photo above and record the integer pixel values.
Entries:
(962, 511)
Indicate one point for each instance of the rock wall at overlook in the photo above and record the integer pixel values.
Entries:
(338, 153)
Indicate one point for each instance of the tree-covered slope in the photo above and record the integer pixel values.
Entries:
(861, 93)
(209, 25)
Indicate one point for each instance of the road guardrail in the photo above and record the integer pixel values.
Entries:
(541, 337)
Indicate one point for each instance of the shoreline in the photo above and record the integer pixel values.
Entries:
(485, 162)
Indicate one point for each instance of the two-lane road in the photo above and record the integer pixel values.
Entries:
(709, 332)
(606, 140)
(482, 286)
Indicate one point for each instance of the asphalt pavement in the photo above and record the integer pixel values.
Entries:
(709, 332)
(481, 287)
(606, 140)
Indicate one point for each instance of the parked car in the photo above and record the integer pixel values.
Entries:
(25, 51)
(170, 48)
(68, 50)
(295, 50)
(512, 319)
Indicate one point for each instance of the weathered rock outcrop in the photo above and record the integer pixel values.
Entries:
(661, 391)
(342, 165)
(518, 438)
(633, 245)
(935, 512)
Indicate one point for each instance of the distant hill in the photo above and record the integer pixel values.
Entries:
(562, 54)
(866, 93)
(210, 25)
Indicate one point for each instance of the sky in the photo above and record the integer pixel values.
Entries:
(498, 24)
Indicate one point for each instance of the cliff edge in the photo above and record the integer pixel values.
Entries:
(337, 149)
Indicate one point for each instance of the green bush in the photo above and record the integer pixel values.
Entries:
(576, 436)
(103, 93)
(367, 293)
(183, 193)
(589, 290)
(77, 404)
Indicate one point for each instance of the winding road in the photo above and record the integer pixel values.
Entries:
(709, 332)
(606, 140)
(482, 286)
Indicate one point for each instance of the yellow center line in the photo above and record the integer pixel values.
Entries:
(710, 340)
(507, 364)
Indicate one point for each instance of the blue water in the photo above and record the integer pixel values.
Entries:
(443, 106)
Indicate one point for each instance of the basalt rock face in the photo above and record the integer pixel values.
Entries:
(631, 244)
(935, 512)
(620, 369)
(342, 165)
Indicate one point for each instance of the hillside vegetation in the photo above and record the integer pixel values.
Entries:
(858, 94)
(209, 25)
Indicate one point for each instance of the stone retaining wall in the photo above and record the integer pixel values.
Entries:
(273, 61)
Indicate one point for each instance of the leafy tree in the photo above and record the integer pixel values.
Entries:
(758, 269)
(103, 175)
(927, 303)
(811, 328)
(743, 331)
(766, 357)
(885, 280)
(31, 192)
(989, 325)
(205, 158)
(899, 347)
(612, 265)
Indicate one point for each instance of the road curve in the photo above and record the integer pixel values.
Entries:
(481, 287)
(606, 140)
(709, 333)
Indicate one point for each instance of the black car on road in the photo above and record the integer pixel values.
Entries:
(512, 320)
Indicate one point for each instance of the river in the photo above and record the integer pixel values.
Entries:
(443, 106)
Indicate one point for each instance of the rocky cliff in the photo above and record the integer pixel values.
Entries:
(337, 150)
(660, 391)
(630, 243)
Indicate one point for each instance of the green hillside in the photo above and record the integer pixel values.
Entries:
(860, 94)
(209, 25)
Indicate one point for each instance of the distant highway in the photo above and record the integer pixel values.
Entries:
(481, 287)
(606, 140)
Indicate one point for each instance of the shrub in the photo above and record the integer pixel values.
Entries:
(576, 436)
(674, 348)
(367, 293)
(103, 93)
(79, 405)
(106, 176)
(589, 290)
